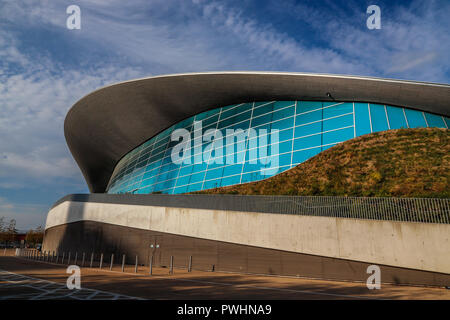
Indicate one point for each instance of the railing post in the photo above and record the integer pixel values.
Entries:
(76, 258)
(151, 265)
(123, 263)
(101, 261)
(171, 265)
(57, 257)
(190, 264)
(112, 261)
(62, 259)
(136, 265)
(92, 259)
(82, 260)
(68, 259)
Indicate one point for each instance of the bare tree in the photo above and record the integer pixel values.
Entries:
(11, 231)
(35, 236)
(2, 229)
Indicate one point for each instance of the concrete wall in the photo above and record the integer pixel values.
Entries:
(422, 246)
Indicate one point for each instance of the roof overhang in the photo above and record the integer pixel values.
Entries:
(109, 122)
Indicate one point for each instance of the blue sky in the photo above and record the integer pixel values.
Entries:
(45, 68)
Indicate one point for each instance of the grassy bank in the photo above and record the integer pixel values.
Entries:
(400, 163)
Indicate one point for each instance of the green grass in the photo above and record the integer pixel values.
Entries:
(394, 163)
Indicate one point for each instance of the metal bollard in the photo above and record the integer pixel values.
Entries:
(123, 263)
(82, 260)
(68, 259)
(112, 261)
(48, 256)
(53, 256)
(190, 264)
(136, 265)
(57, 257)
(76, 258)
(62, 259)
(101, 261)
(92, 259)
(151, 265)
(171, 265)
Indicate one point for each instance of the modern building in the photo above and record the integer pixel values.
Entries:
(234, 127)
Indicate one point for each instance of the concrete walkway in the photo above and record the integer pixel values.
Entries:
(184, 285)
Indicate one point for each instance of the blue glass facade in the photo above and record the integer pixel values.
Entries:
(305, 129)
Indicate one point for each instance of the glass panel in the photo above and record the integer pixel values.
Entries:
(396, 117)
(337, 136)
(301, 156)
(378, 116)
(362, 119)
(434, 120)
(415, 118)
(337, 110)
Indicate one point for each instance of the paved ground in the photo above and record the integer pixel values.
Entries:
(15, 286)
(21, 278)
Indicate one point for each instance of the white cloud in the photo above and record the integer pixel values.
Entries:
(27, 216)
(5, 205)
(406, 62)
(33, 105)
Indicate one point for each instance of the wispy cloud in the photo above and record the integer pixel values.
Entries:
(35, 96)
(27, 216)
